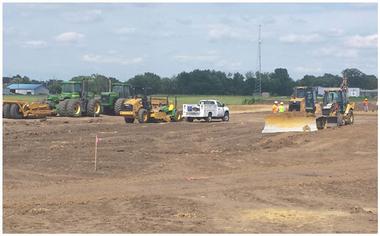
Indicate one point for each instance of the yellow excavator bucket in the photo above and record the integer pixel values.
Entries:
(289, 122)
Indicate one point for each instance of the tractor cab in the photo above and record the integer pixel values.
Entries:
(334, 100)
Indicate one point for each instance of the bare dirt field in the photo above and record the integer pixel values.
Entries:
(219, 177)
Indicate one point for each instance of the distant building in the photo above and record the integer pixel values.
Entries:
(32, 89)
(352, 92)
(368, 93)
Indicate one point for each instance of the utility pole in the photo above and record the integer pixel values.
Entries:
(257, 91)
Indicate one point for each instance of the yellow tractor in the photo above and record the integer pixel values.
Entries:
(337, 110)
(300, 116)
(150, 109)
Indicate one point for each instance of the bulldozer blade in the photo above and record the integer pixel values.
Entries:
(289, 122)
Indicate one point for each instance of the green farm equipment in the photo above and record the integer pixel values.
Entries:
(75, 100)
(113, 100)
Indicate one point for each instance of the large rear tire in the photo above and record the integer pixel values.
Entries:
(7, 111)
(73, 108)
(93, 108)
(209, 117)
(118, 104)
(189, 119)
(15, 112)
(350, 118)
(142, 116)
(61, 108)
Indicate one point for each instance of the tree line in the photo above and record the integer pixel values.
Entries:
(211, 82)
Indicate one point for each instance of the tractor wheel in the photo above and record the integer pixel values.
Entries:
(350, 118)
(189, 119)
(177, 117)
(321, 123)
(61, 108)
(118, 104)
(209, 117)
(340, 119)
(15, 112)
(129, 120)
(93, 108)
(7, 111)
(142, 116)
(226, 116)
(73, 108)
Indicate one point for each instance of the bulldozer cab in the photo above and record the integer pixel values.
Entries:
(299, 92)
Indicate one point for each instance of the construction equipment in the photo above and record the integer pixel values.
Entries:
(113, 100)
(337, 110)
(75, 100)
(150, 109)
(300, 116)
(15, 109)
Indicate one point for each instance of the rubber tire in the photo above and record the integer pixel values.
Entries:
(226, 116)
(129, 120)
(209, 117)
(321, 123)
(117, 107)
(140, 115)
(91, 108)
(15, 112)
(7, 111)
(340, 120)
(189, 119)
(351, 118)
(70, 108)
(61, 108)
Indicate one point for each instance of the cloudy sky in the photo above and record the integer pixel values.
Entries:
(45, 41)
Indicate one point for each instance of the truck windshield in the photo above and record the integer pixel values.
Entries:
(71, 88)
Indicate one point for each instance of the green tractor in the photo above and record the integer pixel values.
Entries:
(112, 101)
(75, 100)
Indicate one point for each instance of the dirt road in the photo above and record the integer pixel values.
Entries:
(188, 177)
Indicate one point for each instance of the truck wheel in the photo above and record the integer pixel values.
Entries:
(129, 120)
(209, 117)
(118, 104)
(61, 108)
(226, 116)
(93, 108)
(340, 119)
(73, 108)
(321, 123)
(15, 112)
(7, 111)
(189, 119)
(142, 116)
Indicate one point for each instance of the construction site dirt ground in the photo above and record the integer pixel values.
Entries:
(219, 177)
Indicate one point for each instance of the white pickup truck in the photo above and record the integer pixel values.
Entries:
(207, 110)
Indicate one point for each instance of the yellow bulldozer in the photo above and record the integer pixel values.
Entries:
(299, 117)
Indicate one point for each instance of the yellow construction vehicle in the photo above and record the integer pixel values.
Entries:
(15, 109)
(300, 116)
(337, 110)
(152, 109)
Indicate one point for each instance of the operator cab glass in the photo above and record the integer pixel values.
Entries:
(71, 88)
(300, 93)
(118, 89)
(332, 97)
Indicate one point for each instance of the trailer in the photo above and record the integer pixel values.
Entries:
(15, 109)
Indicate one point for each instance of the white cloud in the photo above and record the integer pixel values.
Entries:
(88, 16)
(336, 52)
(111, 59)
(69, 37)
(301, 38)
(125, 30)
(223, 31)
(303, 69)
(357, 41)
(35, 44)
(209, 56)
